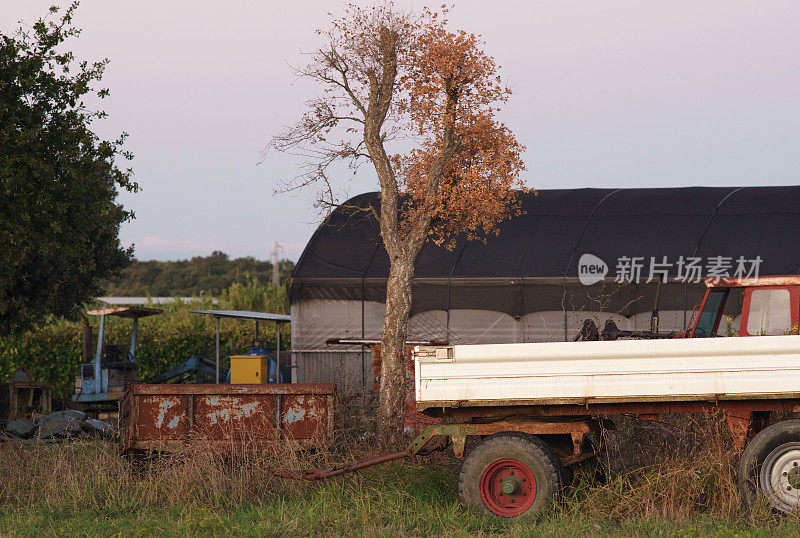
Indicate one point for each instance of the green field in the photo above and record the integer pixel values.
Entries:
(85, 488)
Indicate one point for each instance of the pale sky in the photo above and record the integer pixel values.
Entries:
(606, 94)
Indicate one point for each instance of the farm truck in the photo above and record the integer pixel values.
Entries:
(536, 409)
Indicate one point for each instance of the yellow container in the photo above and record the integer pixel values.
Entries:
(249, 369)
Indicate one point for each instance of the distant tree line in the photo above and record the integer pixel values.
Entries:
(188, 278)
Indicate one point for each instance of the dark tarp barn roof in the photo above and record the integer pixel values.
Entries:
(558, 224)
(557, 227)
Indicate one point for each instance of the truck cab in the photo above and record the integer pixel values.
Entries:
(769, 306)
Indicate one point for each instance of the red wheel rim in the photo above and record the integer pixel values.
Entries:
(508, 487)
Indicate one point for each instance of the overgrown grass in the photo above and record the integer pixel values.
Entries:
(86, 488)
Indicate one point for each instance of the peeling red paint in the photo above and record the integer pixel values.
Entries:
(302, 414)
(162, 417)
(169, 416)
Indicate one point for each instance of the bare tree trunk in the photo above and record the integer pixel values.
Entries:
(393, 353)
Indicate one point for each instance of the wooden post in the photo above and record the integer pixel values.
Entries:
(86, 339)
(217, 354)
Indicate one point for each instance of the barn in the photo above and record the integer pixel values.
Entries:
(573, 255)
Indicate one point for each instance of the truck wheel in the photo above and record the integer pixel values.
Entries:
(771, 466)
(509, 475)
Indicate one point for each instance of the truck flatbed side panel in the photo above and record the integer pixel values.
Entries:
(622, 370)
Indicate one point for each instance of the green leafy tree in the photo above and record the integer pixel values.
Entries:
(59, 218)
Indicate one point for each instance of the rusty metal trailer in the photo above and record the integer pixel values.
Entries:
(173, 417)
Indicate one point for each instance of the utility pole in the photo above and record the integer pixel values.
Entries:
(275, 259)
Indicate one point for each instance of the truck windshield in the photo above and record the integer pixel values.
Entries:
(707, 322)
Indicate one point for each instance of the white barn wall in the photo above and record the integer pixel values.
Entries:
(350, 367)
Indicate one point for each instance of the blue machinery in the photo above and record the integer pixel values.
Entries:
(104, 379)
(194, 366)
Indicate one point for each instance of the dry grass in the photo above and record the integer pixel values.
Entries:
(86, 487)
(675, 490)
(672, 468)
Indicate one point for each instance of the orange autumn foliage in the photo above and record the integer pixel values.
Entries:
(452, 85)
(418, 101)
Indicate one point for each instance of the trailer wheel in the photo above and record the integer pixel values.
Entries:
(509, 475)
(770, 466)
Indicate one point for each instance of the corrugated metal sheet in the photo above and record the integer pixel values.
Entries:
(349, 370)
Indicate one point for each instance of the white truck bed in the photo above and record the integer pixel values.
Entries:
(611, 371)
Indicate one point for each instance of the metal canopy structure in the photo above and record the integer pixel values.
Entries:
(278, 319)
(134, 312)
(246, 314)
(376, 341)
(127, 312)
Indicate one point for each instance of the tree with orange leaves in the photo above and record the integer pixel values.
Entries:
(418, 101)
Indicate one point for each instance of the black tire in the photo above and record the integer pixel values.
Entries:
(770, 467)
(138, 462)
(567, 475)
(528, 452)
